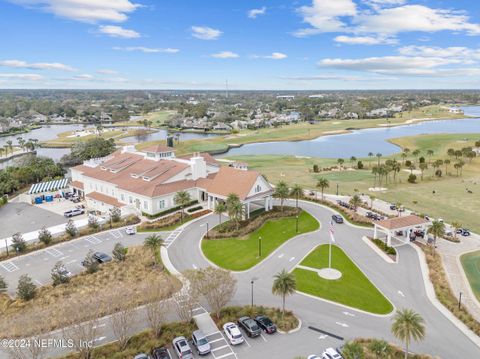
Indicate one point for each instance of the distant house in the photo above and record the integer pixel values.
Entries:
(221, 126)
(455, 110)
(286, 97)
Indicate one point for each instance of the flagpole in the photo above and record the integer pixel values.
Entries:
(330, 253)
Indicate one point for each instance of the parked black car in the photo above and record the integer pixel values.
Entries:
(266, 324)
(250, 326)
(102, 257)
(160, 353)
(463, 231)
(374, 216)
(337, 218)
(393, 207)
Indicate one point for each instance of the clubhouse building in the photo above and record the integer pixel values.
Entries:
(147, 181)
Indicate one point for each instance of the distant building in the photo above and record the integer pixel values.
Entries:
(286, 97)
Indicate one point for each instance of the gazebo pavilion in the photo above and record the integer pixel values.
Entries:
(405, 224)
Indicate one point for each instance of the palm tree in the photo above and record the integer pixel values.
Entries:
(408, 325)
(182, 198)
(455, 225)
(353, 159)
(281, 191)
(323, 183)
(437, 229)
(352, 350)
(380, 348)
(430, 153)
(340, 162)
(284, 284)
(379, 155)
(423, 167)
(297, 192)
(416, 153)
(372, 199)
(153, 242)
(219, 209)
(355, 201)
(234, 208)
(21, 143)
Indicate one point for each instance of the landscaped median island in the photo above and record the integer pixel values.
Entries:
(352, 289)
(390, 251)
(236, 246)
(170, 222)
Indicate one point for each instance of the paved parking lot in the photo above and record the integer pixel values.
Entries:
(39, 264)
(24, 217)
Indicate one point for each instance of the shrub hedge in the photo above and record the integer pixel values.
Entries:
(167, 211)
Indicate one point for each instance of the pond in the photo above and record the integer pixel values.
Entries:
(360, 143)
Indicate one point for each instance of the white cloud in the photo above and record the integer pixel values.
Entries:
(106, 72)
(205, 33)
(253, 13)
(364, 40)
(325, 16)
(385, 19)
(410, 18)
(25, 77)
(225, 55)
(464, 53)
(118, 31)
(336, 77)
(83, 77)
(147, 50)
(273, 56)
(394, 65)
(37, 66)
(84, 10)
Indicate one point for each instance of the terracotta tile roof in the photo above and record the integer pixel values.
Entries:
(105, 199)
(401, 222)
(206, 156)
(77, 184)
(158, 149)
(231, 180)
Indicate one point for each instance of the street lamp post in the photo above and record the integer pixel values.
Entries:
(337, 189)
(259, 246)
(205, 224)
(297, 223)
(251, 283)
(460, 301)
(6, 246)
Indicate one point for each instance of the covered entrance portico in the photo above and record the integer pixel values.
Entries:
(263, 200)
(405, 225)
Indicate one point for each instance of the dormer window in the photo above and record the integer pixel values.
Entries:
(133, 175)
(258, 188)
(145, 178)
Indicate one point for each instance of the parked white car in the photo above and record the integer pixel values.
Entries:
(233, 334)
(74, 212)
(331, 353)
(131, 230)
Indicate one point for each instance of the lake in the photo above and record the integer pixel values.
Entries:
(360, 143)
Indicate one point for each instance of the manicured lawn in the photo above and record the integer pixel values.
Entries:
(353, 289)
(239, 254)
(471, 266)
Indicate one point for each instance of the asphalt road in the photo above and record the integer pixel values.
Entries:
(402, 283)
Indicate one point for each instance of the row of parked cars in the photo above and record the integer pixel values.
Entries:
(253, 327)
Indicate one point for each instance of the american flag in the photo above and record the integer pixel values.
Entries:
(332, 231)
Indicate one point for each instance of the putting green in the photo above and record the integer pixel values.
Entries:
(352, 289)
(471, 266)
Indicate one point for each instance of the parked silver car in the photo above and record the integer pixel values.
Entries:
(200, 342)
(182, 349)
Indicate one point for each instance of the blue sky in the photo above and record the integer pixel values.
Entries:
(309, 44)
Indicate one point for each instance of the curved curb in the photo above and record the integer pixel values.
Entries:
(430, 291)
(267, 257)
(381, 253)
(294, 330)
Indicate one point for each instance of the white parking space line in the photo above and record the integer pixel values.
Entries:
(342, 324)
(9, 266)
(348, 314)
(38, 282)
(54, 252)
(281, 255)
(401, 293)
(225, 355)
(116, 234)
(264, 339)
(291, 259)
(93, 240)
